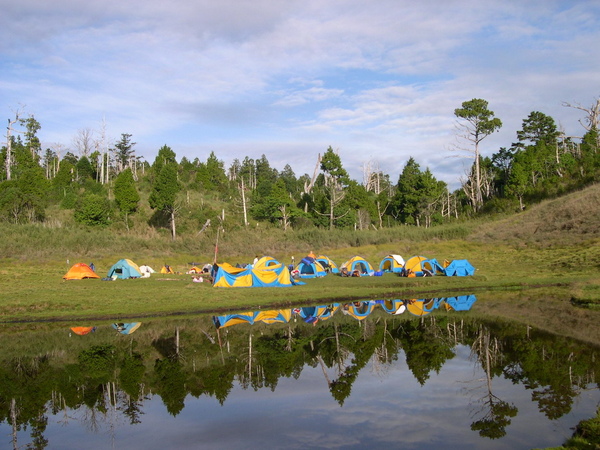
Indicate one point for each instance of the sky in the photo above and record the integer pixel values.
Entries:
(377, 80)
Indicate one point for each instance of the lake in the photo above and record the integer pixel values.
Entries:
(416, 373)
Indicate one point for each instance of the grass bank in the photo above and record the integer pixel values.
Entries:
(556, 243)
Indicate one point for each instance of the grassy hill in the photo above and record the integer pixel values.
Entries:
(571, 220)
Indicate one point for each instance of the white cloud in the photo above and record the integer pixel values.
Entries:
(378, 80)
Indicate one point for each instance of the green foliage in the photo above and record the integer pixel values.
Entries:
(126, 195)
(92, 209)
(98, 362)
(481, 119)
(165, 189)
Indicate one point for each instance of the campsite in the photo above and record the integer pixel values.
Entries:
(245, 345)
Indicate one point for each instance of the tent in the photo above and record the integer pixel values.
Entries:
(167, 269)
(312, 314)
(414, 266)
(80, 271)
(392, 263)
(146, 271)
(273, 316)
(459, 268)
(273, 275)
(234, 319)
(460, 303)
(124, 269)
(81, 331)
(359, 264)
(265, 262)
(327, 264)
(310, 268)
(126, 328)
(433, 266)
(421, 307)
(358, 310)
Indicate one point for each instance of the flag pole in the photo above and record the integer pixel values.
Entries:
(216, 246)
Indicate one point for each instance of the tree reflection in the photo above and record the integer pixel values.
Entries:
(107, 376)
(495, 412)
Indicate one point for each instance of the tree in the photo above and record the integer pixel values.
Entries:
(32, 142)
(124, 152)
(336, 179)
(407, 196)
(9, 139)
(92, 209)
(538, 127)
(166, 186)
(84, 141)
(126, 195)
(480, 123)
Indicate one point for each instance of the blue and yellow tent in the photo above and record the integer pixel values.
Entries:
(328, 264)
(268, 273)
(124, 269)
(359, 264)
(310, 268)
(392, 263)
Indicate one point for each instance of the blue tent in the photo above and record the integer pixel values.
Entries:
(459, 268)
(310, 268)
(461, 303)
(124, 269)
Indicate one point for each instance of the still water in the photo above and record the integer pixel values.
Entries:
(427, 373)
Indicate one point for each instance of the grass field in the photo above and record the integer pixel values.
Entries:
(552, 244)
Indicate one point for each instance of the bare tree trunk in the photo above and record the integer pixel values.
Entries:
(173, 230)
(9, 145)
(244, 203)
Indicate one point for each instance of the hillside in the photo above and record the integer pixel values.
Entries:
(570, 220)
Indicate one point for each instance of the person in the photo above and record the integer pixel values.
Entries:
(93, 267)
(255, 261)
(344, 272)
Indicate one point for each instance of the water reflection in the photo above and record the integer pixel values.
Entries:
(409, 373)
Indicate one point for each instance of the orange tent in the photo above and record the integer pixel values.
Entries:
(80, 271)
(81, 331)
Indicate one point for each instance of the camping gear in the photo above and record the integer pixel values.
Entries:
(310, 268)
(126, 328)
(124, 269)
(327, 264)
(82, 331)
(392, 263)
(166, 269)
(267, 273)
(415, 267)
(80, 271)
(460, 303)
(459, 268)
(146, 271)
(359, 265)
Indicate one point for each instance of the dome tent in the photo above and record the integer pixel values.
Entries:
(357, 263)
(80, 271)
(392, 263)
(124, 269)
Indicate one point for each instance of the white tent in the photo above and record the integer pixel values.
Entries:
(146, 271)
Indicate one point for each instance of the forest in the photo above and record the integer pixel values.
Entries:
(96, 183)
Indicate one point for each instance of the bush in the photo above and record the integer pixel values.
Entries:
(93, 210)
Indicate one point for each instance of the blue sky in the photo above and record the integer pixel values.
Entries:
(378, 80)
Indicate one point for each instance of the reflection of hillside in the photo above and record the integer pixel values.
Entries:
(44, 371)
